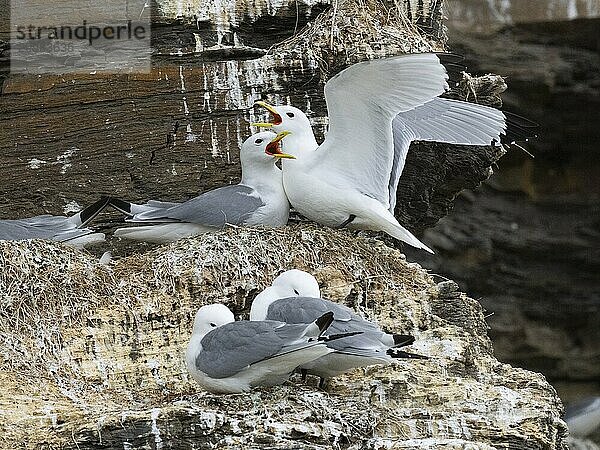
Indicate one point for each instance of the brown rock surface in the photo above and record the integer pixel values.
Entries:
(175, 131)
(527, 244)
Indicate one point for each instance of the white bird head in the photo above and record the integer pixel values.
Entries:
(288, 118)
(291, 283)
(263, 148)
(210, 317)
(297, 283)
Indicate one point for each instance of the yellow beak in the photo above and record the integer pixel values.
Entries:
(272, 110)
(274, 150)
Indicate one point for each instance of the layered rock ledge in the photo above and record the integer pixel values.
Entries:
(92, 355)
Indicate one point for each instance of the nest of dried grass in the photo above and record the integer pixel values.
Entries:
(58, 302)
(44, 287)
(47, 287)
(483, 90)
(354, 30)
(250, 258)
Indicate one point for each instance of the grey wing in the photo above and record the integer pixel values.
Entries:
(152, 207)
(452, 121)
(366, 344)
(307, 309)
(442, 120)
(232, 347)
(297, 310)
(57, 228)
(159, 204)
(233, 204)
(294, 335)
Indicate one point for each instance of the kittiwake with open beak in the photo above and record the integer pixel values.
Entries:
(376, 109)
(258, 199)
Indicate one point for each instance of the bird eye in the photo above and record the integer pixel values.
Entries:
(290, 115)
(296, 292)
(212, 324)
(258, 141)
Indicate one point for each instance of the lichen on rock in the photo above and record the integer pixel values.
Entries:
(97, 361)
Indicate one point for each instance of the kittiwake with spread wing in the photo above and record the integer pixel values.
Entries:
(376, 109)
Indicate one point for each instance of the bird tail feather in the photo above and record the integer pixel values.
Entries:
(86, 215)
(385, 221)
(399, 232)
(149, 233)
(86, 239)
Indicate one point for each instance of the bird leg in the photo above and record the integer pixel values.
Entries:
(347, 221)
(322, 383)
(304, 372)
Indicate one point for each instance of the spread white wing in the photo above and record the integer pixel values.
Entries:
(362, 101)
(442, 120)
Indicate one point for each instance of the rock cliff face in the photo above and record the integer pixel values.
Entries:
(527, 244)
(476, 15)
(175, 131)
(92, 356)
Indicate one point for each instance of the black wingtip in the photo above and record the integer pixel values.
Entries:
(449, 57)
(121, 205)
(395, 353)
(400, 340)
(324, 321)
(87, 214)
(333, 337)
(521, 121)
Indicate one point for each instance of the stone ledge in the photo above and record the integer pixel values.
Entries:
(92, 356)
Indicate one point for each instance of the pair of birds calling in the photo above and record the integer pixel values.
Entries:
(290, 328)
(376, 109)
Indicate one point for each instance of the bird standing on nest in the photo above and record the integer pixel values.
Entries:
(376, 109)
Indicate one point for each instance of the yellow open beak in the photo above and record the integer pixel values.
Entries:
(276, 117)
(274, 149)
